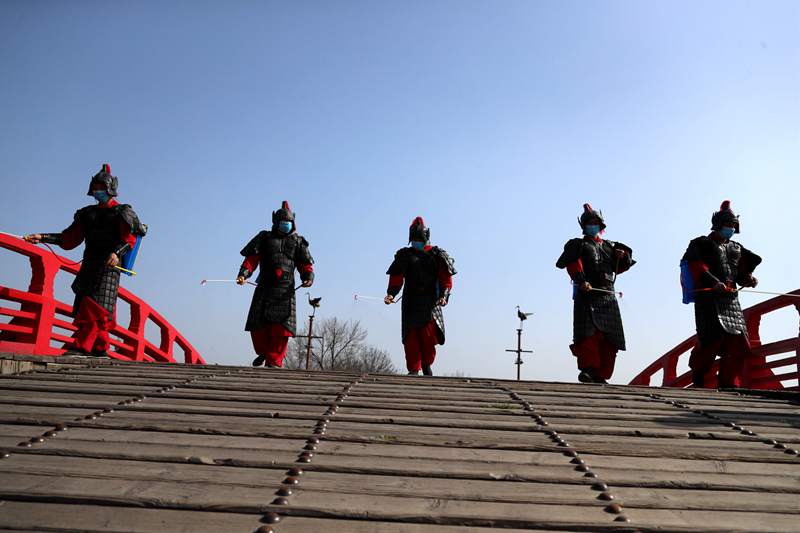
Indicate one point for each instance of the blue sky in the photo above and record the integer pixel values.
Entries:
(494, 121)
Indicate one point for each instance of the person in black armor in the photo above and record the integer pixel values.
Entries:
(428, 273)
(717, 265)
(110, 230)
(593, 265)
(278, 252)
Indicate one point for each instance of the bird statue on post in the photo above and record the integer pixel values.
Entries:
(313, 302)
(522, 316)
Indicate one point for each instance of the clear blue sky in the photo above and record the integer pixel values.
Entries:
(495, 121)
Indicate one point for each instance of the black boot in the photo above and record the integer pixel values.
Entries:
(586, 376)
(413, 373)
(426, 370)
(698, 379)
(258, 361)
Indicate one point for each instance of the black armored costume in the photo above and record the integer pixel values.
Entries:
(277, 252)
(718, 266)
(110, 230)
(427, 272)
(593, 265)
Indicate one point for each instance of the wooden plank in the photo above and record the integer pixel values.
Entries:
(710, 500)
(138, 493)
(392, 485)
(684, 449)
(63, 518)
(115, 469)
(682, 520)
(443, 511)
(53, 517)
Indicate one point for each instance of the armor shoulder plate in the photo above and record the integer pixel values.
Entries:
(751, 259)
(698, 249)
(132, 219)
(619, 246)
(400, 262)
(254, 246)
(82, 214)
(302, 254)
(443, 256)
(572, 252)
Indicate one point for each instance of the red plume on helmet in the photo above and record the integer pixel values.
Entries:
(588, 213)
(725, 217)
(104, 176)
(418, 231)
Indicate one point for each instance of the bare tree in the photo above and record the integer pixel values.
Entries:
(342, 347)
(374, 360)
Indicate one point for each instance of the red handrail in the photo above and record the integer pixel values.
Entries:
(30, 330)
(758, 373)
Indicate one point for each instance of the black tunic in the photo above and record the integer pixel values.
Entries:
(595, 310)
(420, 269)
(716, 314)
(101, 230)
(274, 297)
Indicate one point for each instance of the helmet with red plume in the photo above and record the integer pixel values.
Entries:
(418, 231)
(104, 176)
(284, 214)
(590, 213)
(725, 217)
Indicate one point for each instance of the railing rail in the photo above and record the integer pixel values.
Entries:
(759, 373)
(31, 328)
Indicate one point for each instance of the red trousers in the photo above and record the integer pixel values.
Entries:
(93, 323)
(732, 349)
(420, 346)
(271, 342)
(595, 353)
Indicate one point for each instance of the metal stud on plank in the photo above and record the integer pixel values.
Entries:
(60, 427)
(582, 468)
(605, 496)
(284, 491)
(294, 472)
(622, 518)
(280, 501)
(600, 486)
(312, 440)
(269, 518)
(614, 508)
(571, 453)
(5, 455)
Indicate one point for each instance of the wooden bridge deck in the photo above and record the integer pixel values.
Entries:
(155, 448)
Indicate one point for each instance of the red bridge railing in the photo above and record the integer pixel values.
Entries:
(33, 328)
(759, 373)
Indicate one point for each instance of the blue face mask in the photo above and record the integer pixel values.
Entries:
(418, 245)
(285, 226)
(591, 230)
(101, 196)
(726, 232)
